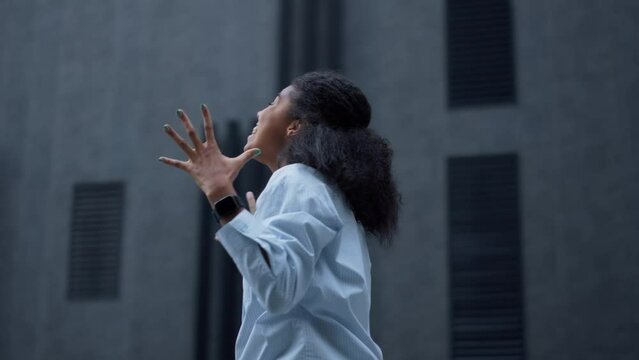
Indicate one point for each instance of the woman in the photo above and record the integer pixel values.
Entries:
(303, 254)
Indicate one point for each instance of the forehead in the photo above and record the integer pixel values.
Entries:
(287, 91)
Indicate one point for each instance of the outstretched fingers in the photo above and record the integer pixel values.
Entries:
(190, 131)
(180, 141)
(175, 163)
(209, 132)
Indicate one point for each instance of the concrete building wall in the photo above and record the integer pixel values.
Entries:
(86, 86)
(573, 127)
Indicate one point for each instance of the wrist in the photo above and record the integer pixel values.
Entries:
(219, 194)
(227, 208)
(227, 219)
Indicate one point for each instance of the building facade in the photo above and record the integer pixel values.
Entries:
(513, 125)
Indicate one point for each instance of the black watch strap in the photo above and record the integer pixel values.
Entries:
(226, 206)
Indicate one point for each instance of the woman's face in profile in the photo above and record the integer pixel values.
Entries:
(272, 128)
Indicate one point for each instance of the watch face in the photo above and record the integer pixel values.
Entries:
(227, 206)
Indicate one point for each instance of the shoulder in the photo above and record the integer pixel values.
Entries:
(299, 179)
(297, 173)
(298, 187)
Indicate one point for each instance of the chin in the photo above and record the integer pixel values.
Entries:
(250, 142)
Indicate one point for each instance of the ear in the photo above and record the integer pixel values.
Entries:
(293, 128)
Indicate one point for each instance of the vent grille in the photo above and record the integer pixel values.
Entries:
(96, 234)
(480, 53)
(485, 260)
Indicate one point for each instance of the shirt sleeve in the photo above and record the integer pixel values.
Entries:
(299, 221)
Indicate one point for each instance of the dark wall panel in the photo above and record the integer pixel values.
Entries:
(485, 258)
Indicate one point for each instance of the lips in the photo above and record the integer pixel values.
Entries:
(253, 132)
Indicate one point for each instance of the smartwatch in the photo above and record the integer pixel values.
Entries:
(227, 206)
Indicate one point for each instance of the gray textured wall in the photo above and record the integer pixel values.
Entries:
(574, 128)
(85, 87)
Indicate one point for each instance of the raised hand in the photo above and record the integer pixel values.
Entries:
(212, 171)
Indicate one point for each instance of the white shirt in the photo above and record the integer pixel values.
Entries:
(313, 301)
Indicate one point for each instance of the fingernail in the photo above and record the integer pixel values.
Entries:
(257, 153)
(166, 127)
(160, 159)
(180, 112)
(203, 107)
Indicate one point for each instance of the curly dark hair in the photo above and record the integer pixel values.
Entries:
(335, 139)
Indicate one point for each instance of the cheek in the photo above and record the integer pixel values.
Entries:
(269, 139)
(260, 140)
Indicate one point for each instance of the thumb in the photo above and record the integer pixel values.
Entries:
(248, 155)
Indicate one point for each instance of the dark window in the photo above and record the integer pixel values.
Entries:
(480, 53)
(96, 233)
(309, 37)
(485, 258)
